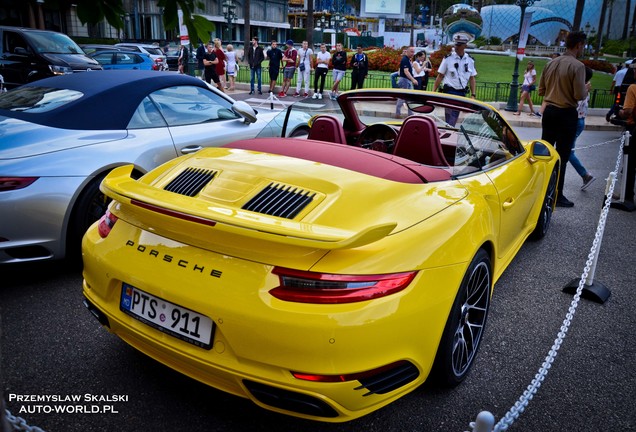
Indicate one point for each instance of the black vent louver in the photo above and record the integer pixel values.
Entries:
(280, 200)
(403, 373)
(190, 181)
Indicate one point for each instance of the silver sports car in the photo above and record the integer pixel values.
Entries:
(60, 136)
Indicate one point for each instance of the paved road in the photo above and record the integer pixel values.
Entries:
(52, 346)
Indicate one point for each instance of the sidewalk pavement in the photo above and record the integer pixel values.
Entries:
(595, 120)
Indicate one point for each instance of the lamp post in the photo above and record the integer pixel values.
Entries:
(514, 85)
(322, 25)
(494, 3)
(230, 15)
(338, 21)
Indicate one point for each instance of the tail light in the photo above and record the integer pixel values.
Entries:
(106, 223)
(13, 183)
(309, 287)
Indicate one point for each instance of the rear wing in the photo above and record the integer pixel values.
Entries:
(145, 202)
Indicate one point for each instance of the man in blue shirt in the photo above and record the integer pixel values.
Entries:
(406, 80)
(360, 66)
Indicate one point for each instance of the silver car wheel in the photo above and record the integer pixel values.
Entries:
(473, 313)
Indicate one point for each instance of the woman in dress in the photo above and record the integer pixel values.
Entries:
(232, 67)
(220, 66)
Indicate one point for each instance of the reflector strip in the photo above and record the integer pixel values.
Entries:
(173, 213)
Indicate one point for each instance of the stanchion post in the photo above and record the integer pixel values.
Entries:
(623, 203)
(484, 422)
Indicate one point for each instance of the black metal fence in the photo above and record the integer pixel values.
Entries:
(486, 91)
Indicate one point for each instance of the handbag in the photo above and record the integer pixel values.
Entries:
(302, 63)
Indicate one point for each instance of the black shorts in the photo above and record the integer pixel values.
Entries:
(273, 74)
(211, 75)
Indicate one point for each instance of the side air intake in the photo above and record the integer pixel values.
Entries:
(190, 181)
(280, 200)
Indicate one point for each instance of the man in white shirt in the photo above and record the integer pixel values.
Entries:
(457, 73)
(304, 68)
(617, 82)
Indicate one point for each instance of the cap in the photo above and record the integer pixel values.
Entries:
(289, 42)
(628, 62)
(460, 39)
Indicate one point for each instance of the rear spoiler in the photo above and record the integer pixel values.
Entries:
(121, 187)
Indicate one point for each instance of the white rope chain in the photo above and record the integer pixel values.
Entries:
(19, 424)
(519, 406)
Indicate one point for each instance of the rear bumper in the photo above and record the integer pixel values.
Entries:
(259, 340)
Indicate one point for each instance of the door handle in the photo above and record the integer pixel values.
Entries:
(508, 203)
(191, 149)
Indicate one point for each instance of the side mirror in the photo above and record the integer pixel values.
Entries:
(20, 51)
(245, 110)
(540, 151)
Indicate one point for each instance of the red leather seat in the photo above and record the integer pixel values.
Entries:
(418, 141)
(327, 128)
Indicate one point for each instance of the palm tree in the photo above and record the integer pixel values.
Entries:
(628, 7)
(310, 23)
(578, 14)
(247, 27)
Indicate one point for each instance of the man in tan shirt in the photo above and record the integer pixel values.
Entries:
(629, 112)
(562, 85)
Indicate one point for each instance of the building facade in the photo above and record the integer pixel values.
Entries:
(143, 20)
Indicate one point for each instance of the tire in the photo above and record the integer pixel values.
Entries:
(89, 207)
(547, 207)
(300, 132)
(465, 324)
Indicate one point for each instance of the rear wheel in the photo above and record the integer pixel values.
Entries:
(465, 325)
(543, 223)
(89, 207)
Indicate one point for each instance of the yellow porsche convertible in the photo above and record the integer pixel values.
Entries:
(330, 266)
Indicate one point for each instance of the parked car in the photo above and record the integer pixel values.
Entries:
(62, 135)
(27, 55)
(326, 276)
(124, 60)
(153, 51)
(91, 48)
(172, 58)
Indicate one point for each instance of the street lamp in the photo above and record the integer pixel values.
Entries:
(514, 85)
(338, 20)
(588, 30)
(492, 12)
(230, 15)
(322, 25)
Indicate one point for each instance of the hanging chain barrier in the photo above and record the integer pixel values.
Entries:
(19, 424)
(485, 420)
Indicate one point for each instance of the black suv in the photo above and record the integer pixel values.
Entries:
(28, 54)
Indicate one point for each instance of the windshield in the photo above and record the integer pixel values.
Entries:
(53, 43)
(298, 118)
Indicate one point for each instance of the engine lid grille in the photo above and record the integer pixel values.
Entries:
(280, 200)
(190, 181)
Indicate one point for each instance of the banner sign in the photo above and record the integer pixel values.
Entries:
(523, 35)
(183, 30)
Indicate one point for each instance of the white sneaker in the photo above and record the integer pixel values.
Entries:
(319, 95)
(315, 96)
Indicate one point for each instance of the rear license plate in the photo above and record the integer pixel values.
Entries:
(172, 319)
